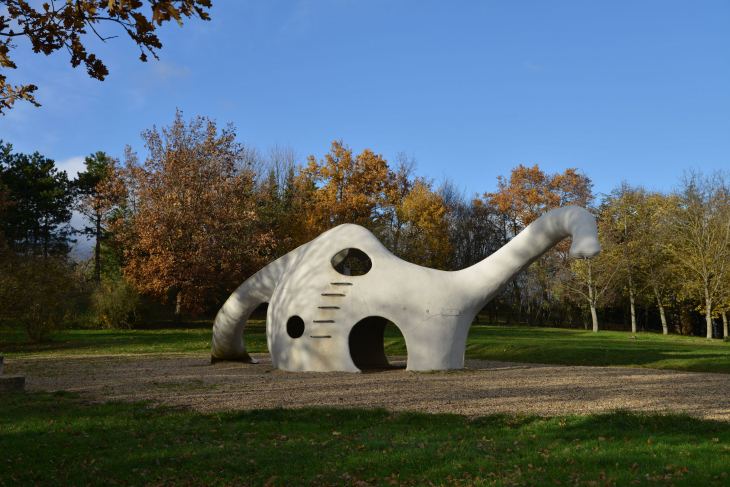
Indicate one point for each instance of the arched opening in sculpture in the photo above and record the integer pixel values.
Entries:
(368, 339)
(352, 262)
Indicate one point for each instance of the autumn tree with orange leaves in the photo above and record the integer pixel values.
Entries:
(530, 192)
(185, 218)
(341, 188)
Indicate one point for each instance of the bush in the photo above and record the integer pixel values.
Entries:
(726, 339)
(43, 293)
(115, 304)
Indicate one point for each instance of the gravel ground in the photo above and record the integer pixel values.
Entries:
(482, 388)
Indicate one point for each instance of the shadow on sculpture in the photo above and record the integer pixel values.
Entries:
(331, 299)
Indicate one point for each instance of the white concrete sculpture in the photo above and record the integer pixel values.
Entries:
(322, 319)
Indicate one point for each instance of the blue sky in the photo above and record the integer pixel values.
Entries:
(621, 90)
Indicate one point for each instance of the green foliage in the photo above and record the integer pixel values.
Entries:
(115, 304)
(726, 339)
(66, 440)
(41, 199)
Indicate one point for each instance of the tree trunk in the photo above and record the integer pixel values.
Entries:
(632, 300)
(665, 328)
(178, 309)
(592, 299)
(708, 312)
(594, 316)
(97, 250)
(724, 324)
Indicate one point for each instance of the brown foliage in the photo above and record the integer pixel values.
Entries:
(185, 219)
(59, 25)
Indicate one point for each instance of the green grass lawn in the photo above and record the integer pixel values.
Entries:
(504, 343)
(579, 347)
(58, 439)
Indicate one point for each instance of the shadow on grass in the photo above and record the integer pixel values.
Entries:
(132, 443)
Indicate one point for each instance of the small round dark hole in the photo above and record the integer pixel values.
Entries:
(352, 262)
(295, 327)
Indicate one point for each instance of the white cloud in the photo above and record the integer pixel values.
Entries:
(72, 166)
(164, 71)
(533, 67)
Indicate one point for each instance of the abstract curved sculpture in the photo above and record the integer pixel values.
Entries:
(321, 319)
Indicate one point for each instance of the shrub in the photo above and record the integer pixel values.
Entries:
(726, 339)
(44, 292)
(115, 304)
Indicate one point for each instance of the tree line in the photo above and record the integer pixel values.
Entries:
(202, 212)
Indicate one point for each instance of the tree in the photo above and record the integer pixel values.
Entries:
(474, 231)
(63, 25)
(527, 195)
(47, 290)
(657, 264)
(530, 193)
(412, 221)
(594, 278)
(8, 286)
(342, 188)
(700, 224)
(185, 219)
(626, 214)
(42, 198)
(91, 203)
(423, 237)
(276, 208)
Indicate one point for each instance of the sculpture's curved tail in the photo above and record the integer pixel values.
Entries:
(231, 320)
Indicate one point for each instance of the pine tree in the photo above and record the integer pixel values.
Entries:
(42, 199)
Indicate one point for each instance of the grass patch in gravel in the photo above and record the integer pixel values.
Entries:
(487, 342)
(58, 439)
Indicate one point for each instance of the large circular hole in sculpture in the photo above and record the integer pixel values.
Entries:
(295, 327)
(368, 340)
(352, 262)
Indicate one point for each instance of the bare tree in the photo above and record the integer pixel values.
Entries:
(278, 162)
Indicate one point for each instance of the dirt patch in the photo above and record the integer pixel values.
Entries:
(482, 388)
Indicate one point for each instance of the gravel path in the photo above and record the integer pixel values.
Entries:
(483, 387)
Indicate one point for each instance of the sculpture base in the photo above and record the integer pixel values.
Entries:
(12, 383)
